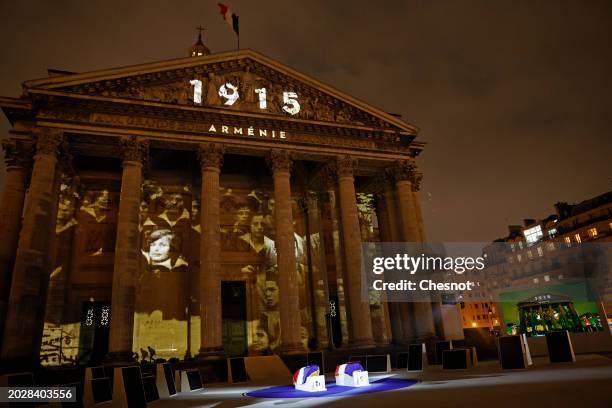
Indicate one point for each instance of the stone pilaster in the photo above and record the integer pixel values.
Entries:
(25, 315)
(359, 310)
(211, 156)
(423, 314)
(319, 269)
(280, 163)
(127, 251)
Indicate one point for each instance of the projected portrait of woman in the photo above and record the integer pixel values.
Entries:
(159, 251)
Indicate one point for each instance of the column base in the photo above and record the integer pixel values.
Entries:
(119, 358)
(210, 353)
(291, 349)
(362, 344)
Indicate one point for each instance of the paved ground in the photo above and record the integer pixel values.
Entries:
(586, 383)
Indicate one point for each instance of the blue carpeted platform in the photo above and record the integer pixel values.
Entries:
(288, 391)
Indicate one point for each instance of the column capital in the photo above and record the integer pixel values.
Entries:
(403, 170)
(345, 166)
(48, 140)
(134, 149)
(280, 160)
(17, 153)
(211, 155)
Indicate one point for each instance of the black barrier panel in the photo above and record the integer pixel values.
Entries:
(20, 380)
(402, 360)
(195, 381)
(101, 390)
(78, 403)
(239, 373)
(169, 379)
(133, 387)
(150, 388)
(376, 364)
(97, 372)
(455, 359)
(559, 347)
(316, 358)
(440, 347)
(415, 357)
(511, 352)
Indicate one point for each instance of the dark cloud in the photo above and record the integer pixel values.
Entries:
(511, 96)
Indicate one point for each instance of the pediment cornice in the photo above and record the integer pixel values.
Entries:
(167, 83)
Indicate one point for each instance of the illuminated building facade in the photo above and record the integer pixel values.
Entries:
(552, 274)
(200, 206)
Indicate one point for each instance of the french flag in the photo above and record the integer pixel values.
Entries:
(348, 369)
(303, 373)
(230, 17)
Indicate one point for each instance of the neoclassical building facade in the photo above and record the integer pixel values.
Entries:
(208, 205)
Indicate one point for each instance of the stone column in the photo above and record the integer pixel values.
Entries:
(127, 251)
(384, 230)
(359, 309)
(26, 308)
(390, 204)
(404, 173)
(17, 157)
(319, 269)
(280, 162)
(416, 187)
(211, 339)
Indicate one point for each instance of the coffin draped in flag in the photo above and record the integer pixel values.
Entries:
(230, 17)
(303, 373)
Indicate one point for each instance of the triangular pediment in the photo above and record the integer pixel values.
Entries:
(175, 82)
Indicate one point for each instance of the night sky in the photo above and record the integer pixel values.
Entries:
(512, 97)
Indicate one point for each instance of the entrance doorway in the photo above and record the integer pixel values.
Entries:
(95, 326)
(233, 317)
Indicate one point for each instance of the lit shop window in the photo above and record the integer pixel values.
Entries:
(533, 234)
(568, 241)
(540, 252)
(577, 236)
(552, 232)
(592, 232)
(546, 278)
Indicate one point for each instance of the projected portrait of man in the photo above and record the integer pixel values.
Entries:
(240, 222)
(159, 251)
(174, 211)
(98, 209)
(65, 215)
(271, 295)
